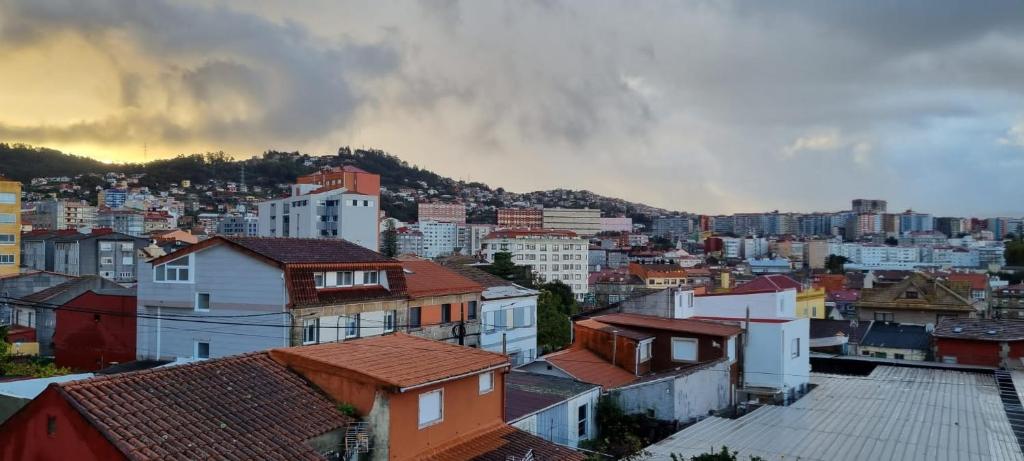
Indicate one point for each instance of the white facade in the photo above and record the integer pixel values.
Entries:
(509, 315)
(439, 238)
(781, 304)
(565, 414)
(551, 256)
(732, 247)
(330, 214)
(755, 247)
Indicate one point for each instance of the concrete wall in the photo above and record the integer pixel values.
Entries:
(762, 305)
(769, 354)
(680, 398)
(237, 284)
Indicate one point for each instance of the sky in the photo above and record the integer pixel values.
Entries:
(702, 106)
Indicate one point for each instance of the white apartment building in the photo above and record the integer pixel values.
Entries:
(732, 248)
(755, 247)
(439, 238)
(585, 222)
(334, 213)
(551, 254)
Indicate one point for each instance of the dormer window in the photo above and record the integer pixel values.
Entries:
(370, 278)
(177, 271)
(318, 279)
(345, 278)
(911, 294)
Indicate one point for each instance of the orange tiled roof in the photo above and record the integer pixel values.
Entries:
(398, 360)
(426, 278)
(773, 282)
(588, 367)
(502, 443)
(979, 282)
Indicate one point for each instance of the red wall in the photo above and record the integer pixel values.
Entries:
(88, 341)
(967, 352)
(24, 435)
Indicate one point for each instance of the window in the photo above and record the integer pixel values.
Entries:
(431, 408)
(581, 421)
(645, 351)
(106, 246)
(911, 294)
(6, 239)
(389, 321)
(898, 356)
(370, 278)
(8, 197)
(6, 259)
(203, 302)
(352, 326)
(310, 331)
(318, 279)
(948, 359)
(51, 426)
(884, 317)
(8, 218)
(345, 279)
(471, 310)
(202, 350)
(486, 382)
(174, 271)
(684, 350)
(446, 313)
(414, 317)
(127, 260)
(794, 347)
(107, 260)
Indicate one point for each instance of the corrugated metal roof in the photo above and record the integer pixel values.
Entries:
(893, 414)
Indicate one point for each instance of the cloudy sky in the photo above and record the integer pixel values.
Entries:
(701, 106)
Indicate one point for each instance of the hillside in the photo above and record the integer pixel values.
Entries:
(272, 169)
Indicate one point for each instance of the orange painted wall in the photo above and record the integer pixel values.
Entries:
(600, 343)
(465, 412)
(353, 390)
(430, 314)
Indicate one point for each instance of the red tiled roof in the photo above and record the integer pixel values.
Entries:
(304, 293)
(843, 295)
(503, 443)
(425, 278)
(588, 367)
(774, 282)
(979, 282)
(398, 360)
(235, 408)
(678, 325)
(980, 329)
(513, 233)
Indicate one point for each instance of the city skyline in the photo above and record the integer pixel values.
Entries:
(710, 108)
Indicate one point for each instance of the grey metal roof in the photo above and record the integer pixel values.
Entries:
(894, 414)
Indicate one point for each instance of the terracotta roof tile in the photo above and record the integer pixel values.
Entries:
(979, 282)
(679, 325)
(588, 367)
(478, 275)
(527, 393)
(235, 408)
(426, 278)
(290, 250)
(504, 443)
(980, 329)
(599, 326)
(398, 360)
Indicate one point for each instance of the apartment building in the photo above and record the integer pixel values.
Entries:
(239, 225)
(440, 300)
(471, 236)
(111, 255)
(123, 221)
(442, 212)
(57, 214)
(911, 221)
(550, 254)
(348, 177)
(672, 227)
(862, 205)
(439, 238)
(10, 226)
(112, 198)
(585, 222)
(315, 211)
(529, 218)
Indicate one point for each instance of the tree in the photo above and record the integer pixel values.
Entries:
(835, 263)
(17, 366)
(389, 241)
(553, 324)
(1014, 253)
(723, 455)
(619, 435)
(566, 298)
(891, 241)
(661, 243)
(504, 267)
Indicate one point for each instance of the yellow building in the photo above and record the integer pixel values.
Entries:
(10, 226)
(810, 303)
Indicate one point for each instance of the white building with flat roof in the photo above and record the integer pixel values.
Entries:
(550, 254)
(585, 222)
(309, 213)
